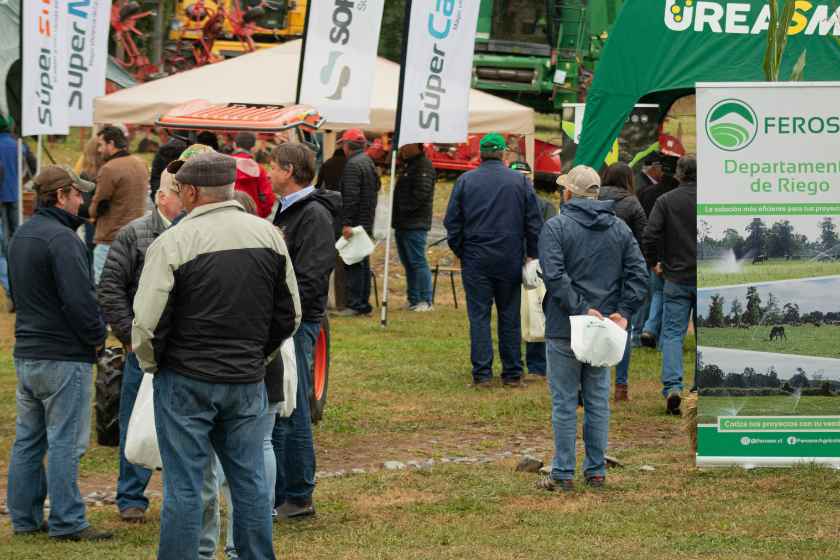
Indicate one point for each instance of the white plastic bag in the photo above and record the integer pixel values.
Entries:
(382, 216)
(597, 342)
(290, 378)
(532, 275)
(141, 444)
(356, 248)
(533, 317)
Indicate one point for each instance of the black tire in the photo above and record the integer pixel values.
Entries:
(109, 372)
(320, 372)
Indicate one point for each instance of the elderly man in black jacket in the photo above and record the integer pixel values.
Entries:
(116, 290)
(413, 198)
(359, 187)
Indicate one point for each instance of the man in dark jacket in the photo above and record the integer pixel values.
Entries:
(116, 290)
(673, 229)
(58, 332)
(649, 175)
(217, 297)
(413, 199)
(171, 150)
(359, 187)
(493, 224)
(591, 266)
(329, 176)
(306, 217)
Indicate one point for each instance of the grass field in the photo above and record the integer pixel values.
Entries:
(712, 407)
(803, 340)
(709, 274)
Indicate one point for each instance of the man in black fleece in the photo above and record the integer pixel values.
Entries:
(673, 228)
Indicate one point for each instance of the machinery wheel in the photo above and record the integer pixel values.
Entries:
(109, 372)
(320, 374)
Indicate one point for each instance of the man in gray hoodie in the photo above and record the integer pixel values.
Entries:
(591, 265)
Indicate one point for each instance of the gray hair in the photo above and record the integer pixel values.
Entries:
(687, 168)
(492, 155)
(217, 194)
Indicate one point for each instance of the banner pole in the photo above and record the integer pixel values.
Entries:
(395, 146)
(20, 179)
(303, 52)
(40, 154)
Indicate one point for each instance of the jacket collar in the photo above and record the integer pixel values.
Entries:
(63, 217)
(213, 207)
(121, 153)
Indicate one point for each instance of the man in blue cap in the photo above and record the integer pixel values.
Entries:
(493, 224)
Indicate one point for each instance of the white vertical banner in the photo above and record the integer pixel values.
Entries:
(438, 71)
(340, 59)
(87, 23)
(45, 94)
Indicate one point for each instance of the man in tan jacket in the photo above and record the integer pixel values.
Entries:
(122, 189)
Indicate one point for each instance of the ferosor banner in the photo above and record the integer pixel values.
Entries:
(768, 222)
(438, 70)
(45, 92)
(340, 59)
(87, 23)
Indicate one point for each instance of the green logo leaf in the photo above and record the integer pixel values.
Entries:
(731, 125)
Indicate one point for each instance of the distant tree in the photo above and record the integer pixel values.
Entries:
(800, 380)
(771, 311)
(735, 312)
(828, 233)
(790, 314)
(715, 318)
(756, 236)
(710, 376)
(704, 231)
(780, 240)
(753, 315)
(390, 38)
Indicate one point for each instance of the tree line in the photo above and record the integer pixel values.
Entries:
(711, 376)
(779, 240)
(753, 312)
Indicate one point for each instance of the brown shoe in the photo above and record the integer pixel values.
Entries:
(513, 384)
(621, 393)
(485, 384)
(133, 515)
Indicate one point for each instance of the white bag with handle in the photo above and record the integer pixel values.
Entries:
(355, 249)
(533, 317)
(141, 443)
(290, 378)
(597, 342)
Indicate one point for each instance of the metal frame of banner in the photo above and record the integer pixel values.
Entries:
(395, 145)
(303, 51)
(20, 125)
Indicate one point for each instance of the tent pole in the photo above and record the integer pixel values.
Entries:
(20, 179)
(384, 309)
(40, 153)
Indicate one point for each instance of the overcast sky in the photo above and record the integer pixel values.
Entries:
(734, 361)
(811, 294)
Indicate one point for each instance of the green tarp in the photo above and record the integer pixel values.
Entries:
(660, 49)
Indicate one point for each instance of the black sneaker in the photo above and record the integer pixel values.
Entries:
(86, 534)
(647, 340)
(672, 403)
(513, 383)
(291, 510)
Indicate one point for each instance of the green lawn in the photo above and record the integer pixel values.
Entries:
(803, 340)
(710, 276)
(712, 407)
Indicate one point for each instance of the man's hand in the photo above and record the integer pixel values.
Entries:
(595, 313)
(347, 232)
(658, 269)
(619, 320)
(127, 348)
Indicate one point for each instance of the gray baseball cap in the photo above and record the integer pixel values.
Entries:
(581, 181)
(207, 170)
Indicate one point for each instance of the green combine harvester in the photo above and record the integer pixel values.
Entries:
(541, 53)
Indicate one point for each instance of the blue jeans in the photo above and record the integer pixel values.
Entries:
(53, 419)
(292, 437)
(565, 376)
(622, 369)
(4, 266)
(358, 286)
(679, 302)
(535, 357)
(193, 419)
(100, 255)
(133, 479)
(482, 291)
(411, 245)
(653, 325)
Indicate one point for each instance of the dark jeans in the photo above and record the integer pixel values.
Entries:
(194, 418)
(133, 479)
(482, 291)
(535, 357)
(292, 437)
(411, 245)
(679, 303)
(358, 286)
(9, 217)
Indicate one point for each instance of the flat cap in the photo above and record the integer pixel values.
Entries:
(55, 177)
(208, 170)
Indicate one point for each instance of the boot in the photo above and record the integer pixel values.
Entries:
(621, 393)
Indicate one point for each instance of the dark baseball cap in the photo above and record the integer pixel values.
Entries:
(55, 177)
(206, 170)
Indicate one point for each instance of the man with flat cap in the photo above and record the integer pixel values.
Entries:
(58, 332)
(217, 297)
(591, 265)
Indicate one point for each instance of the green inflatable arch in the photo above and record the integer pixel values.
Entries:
(659, 50)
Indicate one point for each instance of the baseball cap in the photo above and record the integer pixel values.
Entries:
(207, 170)
(582, 181)
(652, 158)
(493, 142)
(55, 177)
(521, 166)
(354, 135)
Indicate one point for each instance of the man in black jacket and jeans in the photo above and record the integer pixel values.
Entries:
(58, 332)
(413, 199)
(306, 216)
(359, 187)
(673, 228)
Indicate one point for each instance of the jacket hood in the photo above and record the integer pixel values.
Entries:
(331, 200)
(614, 193)
(173, 148)
(591, 214)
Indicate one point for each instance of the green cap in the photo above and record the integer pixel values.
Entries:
(493, 142)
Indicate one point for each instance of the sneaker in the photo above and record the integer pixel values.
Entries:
(347, 312)
(648, 340)
(513, 383)
(549, 484)
(422, 307)
(672, 403)
(86, 534)
(291, 510)
(484, 384)
(133, 515)
(595, 481)
(621, 393)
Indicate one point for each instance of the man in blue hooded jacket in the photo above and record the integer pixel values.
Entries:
(492, 224)
(591, 265)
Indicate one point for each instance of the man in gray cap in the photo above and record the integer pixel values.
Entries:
(591, 265)
(216, 298)
(58, 332)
